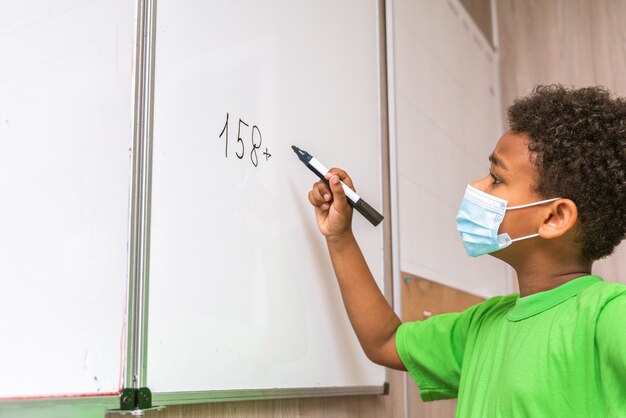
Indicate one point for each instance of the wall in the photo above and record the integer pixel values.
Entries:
(578, 43)
(447, 115)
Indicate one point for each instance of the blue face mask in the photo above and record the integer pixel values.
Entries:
(479, 219)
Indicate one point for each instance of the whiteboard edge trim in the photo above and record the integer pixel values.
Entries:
(174, 398)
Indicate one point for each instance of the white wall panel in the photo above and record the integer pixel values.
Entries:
(447, 122)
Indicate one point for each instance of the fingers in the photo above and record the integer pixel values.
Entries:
(320, 195)
(343, 176)
(339, 195)
(335, 176)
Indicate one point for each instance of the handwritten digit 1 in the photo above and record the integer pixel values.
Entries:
(225, 130)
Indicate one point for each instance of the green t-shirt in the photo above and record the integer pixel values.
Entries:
(559, 353)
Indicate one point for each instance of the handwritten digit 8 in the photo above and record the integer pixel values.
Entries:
(254, 157)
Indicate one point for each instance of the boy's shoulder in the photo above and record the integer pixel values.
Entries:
(596, 295)
(603, 299)
(603, 291)
(494, 306)
(611, 310)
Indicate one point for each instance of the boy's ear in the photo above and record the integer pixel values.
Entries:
(559, 219)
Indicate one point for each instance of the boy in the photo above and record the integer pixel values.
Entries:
(553, 202)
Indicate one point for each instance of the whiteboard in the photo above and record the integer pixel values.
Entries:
(65, 133)
(446, 121)
(242, 293)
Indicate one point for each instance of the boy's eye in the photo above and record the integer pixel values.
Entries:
(496, 180)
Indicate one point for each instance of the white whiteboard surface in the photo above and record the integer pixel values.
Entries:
(447, 122)
(242, 293)
(65, 133)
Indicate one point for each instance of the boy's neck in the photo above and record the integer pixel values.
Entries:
(531, 284)
(541, 275)
(545, 264)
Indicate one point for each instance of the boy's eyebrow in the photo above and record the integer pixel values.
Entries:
(497, 162)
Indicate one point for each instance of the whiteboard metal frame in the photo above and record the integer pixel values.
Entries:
(107, 401)
(395, 276)
(175, 398)
(393, 157)
(139, 240)
(86, 406)
(385, 48)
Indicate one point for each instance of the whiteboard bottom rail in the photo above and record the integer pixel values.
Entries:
(176, 398)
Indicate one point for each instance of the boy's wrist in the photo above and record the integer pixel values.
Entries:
(341, 240)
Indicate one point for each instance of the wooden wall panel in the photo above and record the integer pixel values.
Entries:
(423, 298)
(572, 42)
(480, 10)
(578, 42)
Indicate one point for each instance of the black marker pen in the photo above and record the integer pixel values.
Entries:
(353, 199)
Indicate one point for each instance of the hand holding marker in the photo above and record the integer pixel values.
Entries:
(353, 199)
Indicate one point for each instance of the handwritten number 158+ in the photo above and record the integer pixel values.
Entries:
(255, 139)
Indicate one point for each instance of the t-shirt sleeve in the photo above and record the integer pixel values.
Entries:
(432, 351)
(611, 343)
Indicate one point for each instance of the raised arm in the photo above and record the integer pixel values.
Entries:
(373, 320)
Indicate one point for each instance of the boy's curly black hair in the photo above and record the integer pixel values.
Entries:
(578, 141)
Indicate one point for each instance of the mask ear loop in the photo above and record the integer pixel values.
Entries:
(534, 203)
(528, 205)
(526, 237)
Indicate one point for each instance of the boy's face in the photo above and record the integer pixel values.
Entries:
(512, 176)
